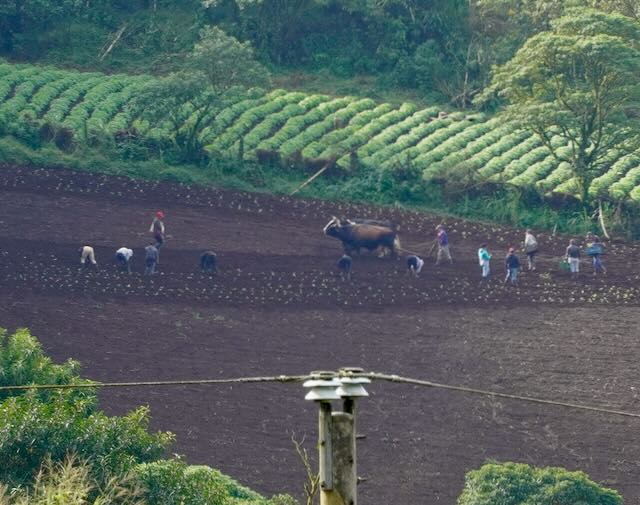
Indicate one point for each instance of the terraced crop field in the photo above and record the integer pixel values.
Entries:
(319, 128)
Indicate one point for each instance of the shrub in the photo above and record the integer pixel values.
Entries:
(172, 482)
(34, 431)
(520, 484)
(70, 483)
(22, 362)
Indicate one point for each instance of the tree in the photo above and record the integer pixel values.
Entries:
(226, 62)
(186, 101)
(577, 81)
(519, 484)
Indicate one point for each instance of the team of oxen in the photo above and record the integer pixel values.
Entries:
(357, 234)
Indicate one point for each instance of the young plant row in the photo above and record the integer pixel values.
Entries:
(299, 126)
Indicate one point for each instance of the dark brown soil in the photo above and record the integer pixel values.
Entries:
(278, 307)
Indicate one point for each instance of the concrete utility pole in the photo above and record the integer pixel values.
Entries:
(337, 433)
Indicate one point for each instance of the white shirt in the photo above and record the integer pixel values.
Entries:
(530, 242)
(127, 253)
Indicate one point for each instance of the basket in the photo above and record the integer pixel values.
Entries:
(564, 265)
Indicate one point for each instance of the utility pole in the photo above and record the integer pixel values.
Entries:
(337, 433)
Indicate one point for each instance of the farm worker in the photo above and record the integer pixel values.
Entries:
(573, 257)
(87, 252)
(123, 258)
(208, 262)
(595, 250)
(150, 259)
(530, 249)
(414, 265)
(484, 259)
(443, 245)
(513, 266)
(157, 228)
(344, 265)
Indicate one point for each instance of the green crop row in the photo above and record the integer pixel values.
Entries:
(226, 117)
(329, 144)
(621, 189)
(517, 167)
(41, 100)
(535, 166)
(77, 118)
(111, 105)
(315, 126)
(391, 133)
(61, 105)
(453, 144)
(406, 141)
(277, 100)
(301, 131)
(428, 143)
(12, 107)
(601, 185)
(367, 131)
(515, 148)
(479, 151)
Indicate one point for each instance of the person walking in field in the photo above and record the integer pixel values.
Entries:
(123, 259)
(572, 256)
(208, 262)
(344, 266)
(150, 259)
(157, 228)
(484, 259)
(414, 265)
(87, 253)
(595, 249)
(442, 241)
(530, 249)
(512, 263)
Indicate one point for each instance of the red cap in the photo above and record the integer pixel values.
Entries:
(160, 214)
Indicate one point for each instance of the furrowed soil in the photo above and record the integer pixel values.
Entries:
(278, 306)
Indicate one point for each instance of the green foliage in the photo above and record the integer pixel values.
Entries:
(172, 482)
(577, 81)
(519, 484)
(69, 483)
(35, 430)
(22, 362)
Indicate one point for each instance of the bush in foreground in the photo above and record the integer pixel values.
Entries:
(520, 484)
(58, 448)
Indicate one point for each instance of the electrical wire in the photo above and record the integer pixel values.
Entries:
(300, 378)
(495, 394)
(197, 382)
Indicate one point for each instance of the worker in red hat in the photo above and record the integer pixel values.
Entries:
(157, 228)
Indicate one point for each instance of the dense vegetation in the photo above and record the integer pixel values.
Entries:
(567, 78)
(303, 131)
(519, 484)
(58, 447)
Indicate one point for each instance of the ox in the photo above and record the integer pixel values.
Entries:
(355, 236)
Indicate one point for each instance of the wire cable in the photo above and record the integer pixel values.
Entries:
(300, 378)
(495, 394)
(197, 382)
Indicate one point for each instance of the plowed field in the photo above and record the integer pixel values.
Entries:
(278, 307)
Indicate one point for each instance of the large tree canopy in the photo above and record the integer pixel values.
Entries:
(577, 81)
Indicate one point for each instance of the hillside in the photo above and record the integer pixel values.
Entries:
(307, 131)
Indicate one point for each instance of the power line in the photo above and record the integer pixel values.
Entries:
(464, 389)
(300, 378)
(89, 385)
